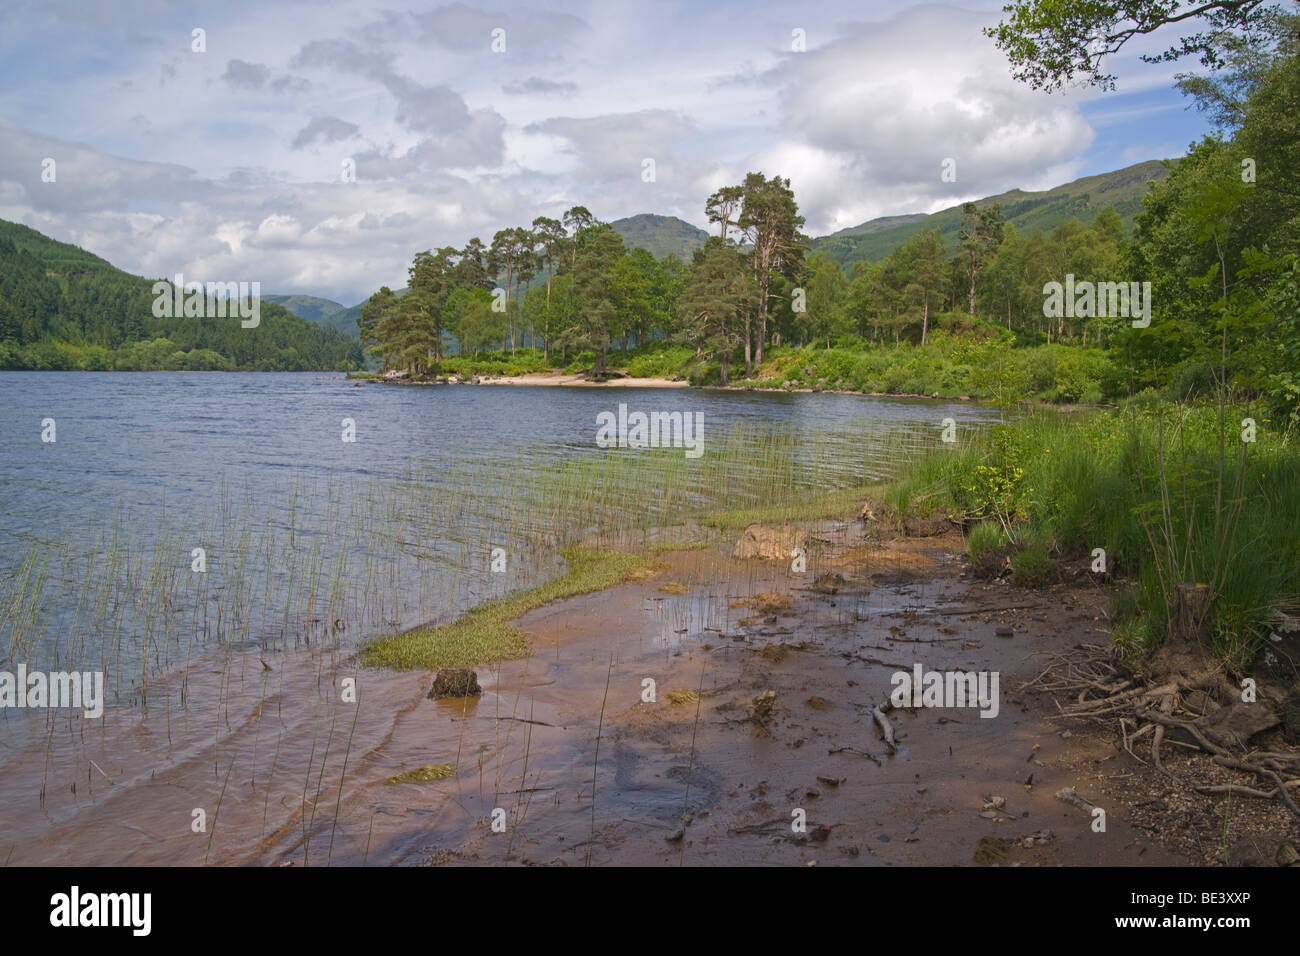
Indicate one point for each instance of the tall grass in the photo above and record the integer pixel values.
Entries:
(1147, 484)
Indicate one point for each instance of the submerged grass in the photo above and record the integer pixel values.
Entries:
(309, 562)
(487, 633)
(435, 771)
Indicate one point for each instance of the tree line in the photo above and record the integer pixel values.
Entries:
(571, 285)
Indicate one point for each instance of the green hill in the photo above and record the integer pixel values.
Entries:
(57, 256)
(324, 312)
(1082, 199)
(660, 235)
(62, 307)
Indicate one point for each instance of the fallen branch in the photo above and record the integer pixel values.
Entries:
(886, 729)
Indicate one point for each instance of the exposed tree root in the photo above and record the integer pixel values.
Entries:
(1156, 700)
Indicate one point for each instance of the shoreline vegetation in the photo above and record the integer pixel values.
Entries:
(950, 368)
(1030, 497)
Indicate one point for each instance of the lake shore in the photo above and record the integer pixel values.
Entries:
(567, 380)
(758, 712)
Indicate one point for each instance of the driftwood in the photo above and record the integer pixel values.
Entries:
(886, 729)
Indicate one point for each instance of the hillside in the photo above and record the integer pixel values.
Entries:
(62, 307)
(57, 256)
(1082, 199)
(324, 312)
(660, 235)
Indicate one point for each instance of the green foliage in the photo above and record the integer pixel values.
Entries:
(1039, 212)
(1108, 478)
(657, 360)
(1050, 43)
(987, 548)
(1283, 390)
(1032, 565)
(519, 362)
(1074, 382)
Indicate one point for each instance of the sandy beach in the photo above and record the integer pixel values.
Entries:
(543, 378)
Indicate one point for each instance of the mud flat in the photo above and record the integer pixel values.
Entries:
(758, 745)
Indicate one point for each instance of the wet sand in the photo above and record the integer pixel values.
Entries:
(541, 378)
(289, 773)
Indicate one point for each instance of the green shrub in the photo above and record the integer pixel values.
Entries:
(987, 548)
(1032, 565)
(1195, 380)
(1073, 381)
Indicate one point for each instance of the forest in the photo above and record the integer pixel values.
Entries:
(1216, 240)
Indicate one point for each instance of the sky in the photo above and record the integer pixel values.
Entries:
(315, 147)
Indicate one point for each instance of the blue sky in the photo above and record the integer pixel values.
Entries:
(226, 164)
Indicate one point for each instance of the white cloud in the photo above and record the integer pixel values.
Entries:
(228, 162)
(870, 116)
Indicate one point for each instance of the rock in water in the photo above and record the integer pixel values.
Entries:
(828, 583)
(770, 544)
(455, 682)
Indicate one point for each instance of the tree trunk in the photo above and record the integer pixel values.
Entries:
(546, 321)
(974, 268)
(749, 364)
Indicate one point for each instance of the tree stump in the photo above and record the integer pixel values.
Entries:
(1191, 619)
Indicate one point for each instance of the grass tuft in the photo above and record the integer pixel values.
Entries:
(487, 633)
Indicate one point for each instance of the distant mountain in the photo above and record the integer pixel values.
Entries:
(1082, 199)
(321, 311)
(877, 225)
(661, 235)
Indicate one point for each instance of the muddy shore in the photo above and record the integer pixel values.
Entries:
(756, 746)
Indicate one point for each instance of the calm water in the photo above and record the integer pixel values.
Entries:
(306, 536)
